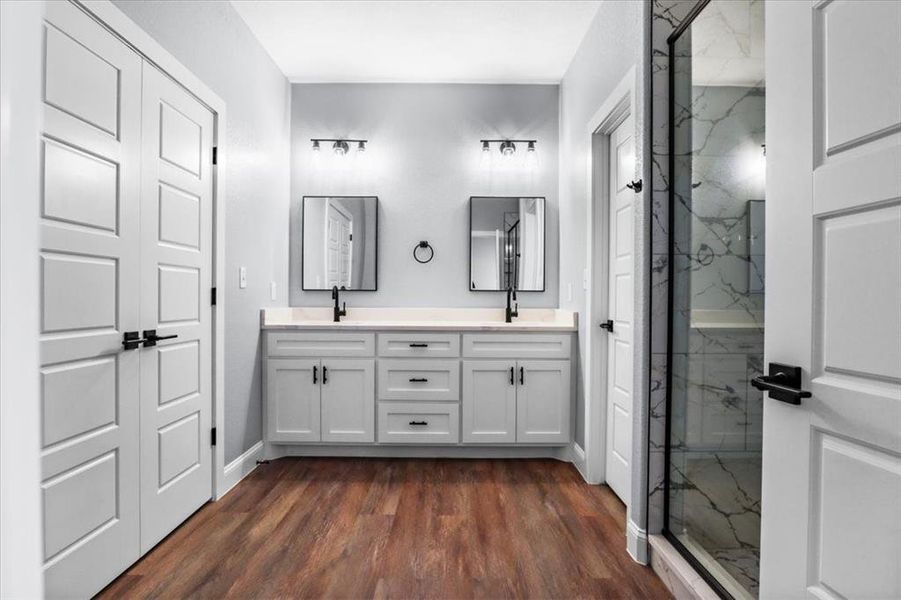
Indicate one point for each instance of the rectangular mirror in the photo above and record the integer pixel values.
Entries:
(506, 244)
(340, 242)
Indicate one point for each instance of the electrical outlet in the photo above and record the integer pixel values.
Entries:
(242, 277)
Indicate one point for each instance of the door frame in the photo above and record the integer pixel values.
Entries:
(620, 104)
(113, 19)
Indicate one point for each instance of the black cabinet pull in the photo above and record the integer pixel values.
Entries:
(512, 380)
(418, 380)
(522, 376)
(783, 383)
(324, 374)
(315, 368)
(418, 345)
(151, 338)
(419, 422)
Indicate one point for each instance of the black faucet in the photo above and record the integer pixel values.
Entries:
(514, 311)
(338, 312)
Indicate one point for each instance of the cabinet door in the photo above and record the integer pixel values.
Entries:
(542, 401)
(348, 400)
(292, 399)
(489, 402)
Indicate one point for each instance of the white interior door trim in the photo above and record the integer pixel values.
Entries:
(620, 104)
(128, 31)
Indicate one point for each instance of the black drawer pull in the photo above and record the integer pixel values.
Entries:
(522, 376)
(315, 368)
(512, 380)
(419, 422)
(324, 374)
(418, 345)
(418, 380)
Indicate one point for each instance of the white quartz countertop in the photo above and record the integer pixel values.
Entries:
(403, 319)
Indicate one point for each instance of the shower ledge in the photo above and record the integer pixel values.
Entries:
(726, 319)
(401, 319)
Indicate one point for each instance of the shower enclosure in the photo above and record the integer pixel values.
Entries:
(716, 262)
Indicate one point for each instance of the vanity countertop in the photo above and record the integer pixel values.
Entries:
(404, 319)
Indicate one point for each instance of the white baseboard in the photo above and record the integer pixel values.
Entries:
(577, 458)
(637, 543)
(280, 450)
(239, 468)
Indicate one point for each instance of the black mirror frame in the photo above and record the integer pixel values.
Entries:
(303, 210)
(544, 248)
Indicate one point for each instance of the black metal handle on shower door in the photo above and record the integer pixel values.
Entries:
(783, 383)
(419, 422)
(418, 345)
(151, 338)
(522, 376)
(418, 380)
(315, 368)
(324, 374)
(608, 325)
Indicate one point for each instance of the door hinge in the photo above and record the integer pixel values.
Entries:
(213, 296)
(213, 436)
(215, 155)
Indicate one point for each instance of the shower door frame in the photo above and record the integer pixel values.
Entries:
(671, 537)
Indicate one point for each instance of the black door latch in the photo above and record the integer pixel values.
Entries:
(783, 383)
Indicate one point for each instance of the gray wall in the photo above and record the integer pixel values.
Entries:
(424, 162)
(212, 40)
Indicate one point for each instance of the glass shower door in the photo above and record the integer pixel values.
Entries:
(717, 199)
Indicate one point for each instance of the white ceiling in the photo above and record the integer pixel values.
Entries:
(473, 41)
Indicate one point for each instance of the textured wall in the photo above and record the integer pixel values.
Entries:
(424, 162)
(212, 40)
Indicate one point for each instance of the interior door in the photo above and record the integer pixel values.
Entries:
(489, 401)
(293, 393)
(89, 299)
(542, 401)
(339, 224)
(831, 524)
(176, 276)
(619, 302)
(348, 400)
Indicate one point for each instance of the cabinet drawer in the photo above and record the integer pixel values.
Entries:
(419, 423)
(419, 379)
(516, 345)
(422, 345)
(318, 344)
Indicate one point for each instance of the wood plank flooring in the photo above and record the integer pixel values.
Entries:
(399, 528)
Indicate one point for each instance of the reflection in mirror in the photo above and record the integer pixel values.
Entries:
(340, 242)
(506, 244)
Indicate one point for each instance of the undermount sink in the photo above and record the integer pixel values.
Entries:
(480, 319)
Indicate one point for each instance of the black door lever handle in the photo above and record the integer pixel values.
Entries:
(608, 325)
(783, 383)
(151, 338)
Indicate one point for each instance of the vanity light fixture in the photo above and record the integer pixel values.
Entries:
(508, 147)
(340, 146)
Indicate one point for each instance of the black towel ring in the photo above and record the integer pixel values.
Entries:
(423, 244)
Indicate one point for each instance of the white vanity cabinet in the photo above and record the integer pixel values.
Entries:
(494, 385)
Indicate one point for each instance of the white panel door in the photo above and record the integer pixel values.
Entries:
(89, 299)
(619, 303)
(348, 400)
(489, 401)
(831, 523)
(542, 401)
(292, 400)
(176, 276)
(339, 224)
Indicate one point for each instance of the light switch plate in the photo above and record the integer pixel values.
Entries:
(585, 279)
(272, 290)
(242, 277)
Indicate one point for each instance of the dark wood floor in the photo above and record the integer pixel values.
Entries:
(399, 528)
